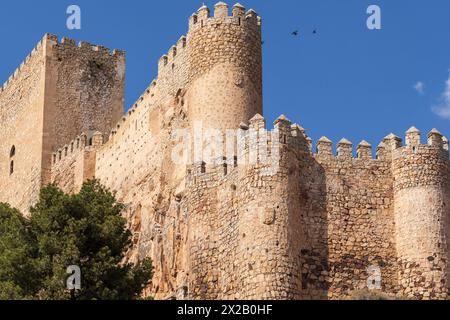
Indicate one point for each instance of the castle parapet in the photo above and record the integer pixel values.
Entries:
(172, 58)
(257, 122)
(34, 51)
(221, 15)
(254, 146)
(203, 175)
(79, 144)
(381, 152)
(406, 162)
(435, 139)
(309, 142)
(73, 147)
(344, 149)
(238, 10)
(203, 13)
(97, 139)
(413, 137)
(298, 131)
(364, 150)
(324, 147)
(221, 10)
(283, 125)
(392, 142)
(67, 42)
(389, 148)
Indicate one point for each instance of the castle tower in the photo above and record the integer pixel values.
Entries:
(60, 91)
(422, 216)
(84, 92)
(270, 230)
(225, 67)
(245, 232)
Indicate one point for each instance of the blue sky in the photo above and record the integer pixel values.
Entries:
(345, 81)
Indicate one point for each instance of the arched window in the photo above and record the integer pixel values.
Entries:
(12, 153)
(11, 167)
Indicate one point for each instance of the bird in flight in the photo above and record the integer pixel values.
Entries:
(295, 33)
(314, 31)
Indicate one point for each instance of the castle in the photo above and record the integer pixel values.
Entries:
(319, 226)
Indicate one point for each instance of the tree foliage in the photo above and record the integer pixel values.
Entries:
(87, 230)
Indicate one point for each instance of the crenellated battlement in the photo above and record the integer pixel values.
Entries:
(222, 170)
(294, 137)
(220, 191)
(36, 50)
(254, 147)
(83, 142)
(221, 15)
(75, 162)
(71, 43)
(121, 125)
(73, 147)
(168, 60)
(50, 42)
(435, 141)
(149, 92)
(344, 150)
(390, 144)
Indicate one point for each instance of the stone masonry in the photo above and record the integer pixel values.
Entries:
(318, 225)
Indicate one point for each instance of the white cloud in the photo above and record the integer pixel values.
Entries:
(420, 87)
(443, 109)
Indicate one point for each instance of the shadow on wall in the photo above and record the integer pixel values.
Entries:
(313, 214)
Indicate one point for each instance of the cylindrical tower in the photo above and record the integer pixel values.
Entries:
(422, 216)
(270, 232)
(225, 67)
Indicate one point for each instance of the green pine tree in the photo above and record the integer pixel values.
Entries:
(86, 230)
(17, 269)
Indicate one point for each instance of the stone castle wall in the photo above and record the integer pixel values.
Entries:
(310, 229)
(422, 217)
(153, 184)
(59, 91)
(21, 121)
(84, 93)
(349, 222)
(323, 225)
(87, 77)
(75, 163)
(226, 67)
(240, 246)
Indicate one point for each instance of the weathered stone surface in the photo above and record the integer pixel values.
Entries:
(60, 91)
(311, 229)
